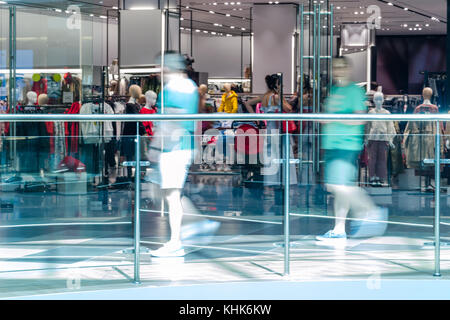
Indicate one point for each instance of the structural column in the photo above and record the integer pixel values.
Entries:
(274, 27)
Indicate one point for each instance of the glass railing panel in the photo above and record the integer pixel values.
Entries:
(380, 194)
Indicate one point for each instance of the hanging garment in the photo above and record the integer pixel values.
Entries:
(108, 129)
(90, 131)
(119, 108)
(40, 86)
(123, 86)
(71, 129)
(148, 125)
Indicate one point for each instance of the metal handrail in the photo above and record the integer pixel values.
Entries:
(221, 116)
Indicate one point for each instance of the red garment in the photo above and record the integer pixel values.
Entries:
(71, 129)
(51, 132)
(148, 125)
(40, 86)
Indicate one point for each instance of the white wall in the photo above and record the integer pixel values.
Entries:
(219, 56)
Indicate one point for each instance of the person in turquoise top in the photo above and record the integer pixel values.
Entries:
(342, 143)
(172, 145)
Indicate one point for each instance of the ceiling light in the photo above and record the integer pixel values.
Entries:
(390, 4)
(181, 28)
(339, 8)
(232, 27)
(215, 4)
(417, 25)
(277, 2)
(197, 30)
(187, 7)
(115, 8)
(238, 3)
(232, 3)
(211, 12)
(204, 31)
(226, 3)
(427, 25)
(243, 29)
(410, 29)
(2, 2)
(212, 32)
(420, 29)
(356, 12)
(406, 9)
(91, 15)
(142, 8)
(228, 15)
(58, 10)
(181, 18)
(229, 35)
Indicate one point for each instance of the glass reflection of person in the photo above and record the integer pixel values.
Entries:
(342, 143)
(180, 96)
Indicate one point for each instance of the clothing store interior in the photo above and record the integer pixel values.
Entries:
(68, 189)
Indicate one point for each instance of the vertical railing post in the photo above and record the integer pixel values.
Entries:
(286, 199)
(137, 206)
(437, 179)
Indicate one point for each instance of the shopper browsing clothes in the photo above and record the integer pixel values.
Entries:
(172, 145)
(342, 143)
(229, 100)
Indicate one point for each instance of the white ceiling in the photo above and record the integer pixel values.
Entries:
(394, 18)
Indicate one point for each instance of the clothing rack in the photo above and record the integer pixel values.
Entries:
(437, 82)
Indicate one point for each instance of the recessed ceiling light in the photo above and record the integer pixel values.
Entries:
(229, 35)
(339, 8)
(197, 30)
(427, 25)
(181, 18)
(215, 4)
(226, 3)
(181, 28)
(211, 12)
(232, 27)
(362, 12)
(187, 7)
(115, 8)
(212, 32)
(228, 15)
(204, 31)
(356, 12)
(232, 3)
(243, 29)
(390, 4)
(277, 2)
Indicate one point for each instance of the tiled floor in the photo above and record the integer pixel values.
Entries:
(49, 259)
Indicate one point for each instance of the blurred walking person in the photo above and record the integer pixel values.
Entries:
(342, 143)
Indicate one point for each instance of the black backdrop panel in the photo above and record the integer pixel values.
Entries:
(400, 59)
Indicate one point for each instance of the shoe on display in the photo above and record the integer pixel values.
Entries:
(170, 249)
(374, 225)
(333, 236)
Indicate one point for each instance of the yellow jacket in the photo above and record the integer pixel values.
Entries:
(229, 104)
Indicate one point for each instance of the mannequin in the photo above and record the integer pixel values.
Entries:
(129, 128)
(229, 100)
(149, 108)
(32, 98)
(419, 139)
(43, 99)
(379, 137)
(114, 69)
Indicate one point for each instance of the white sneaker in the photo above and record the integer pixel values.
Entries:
(374, 225)
(170, 249)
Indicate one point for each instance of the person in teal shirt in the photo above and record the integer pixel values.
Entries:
(172, 146)
(342, 143)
